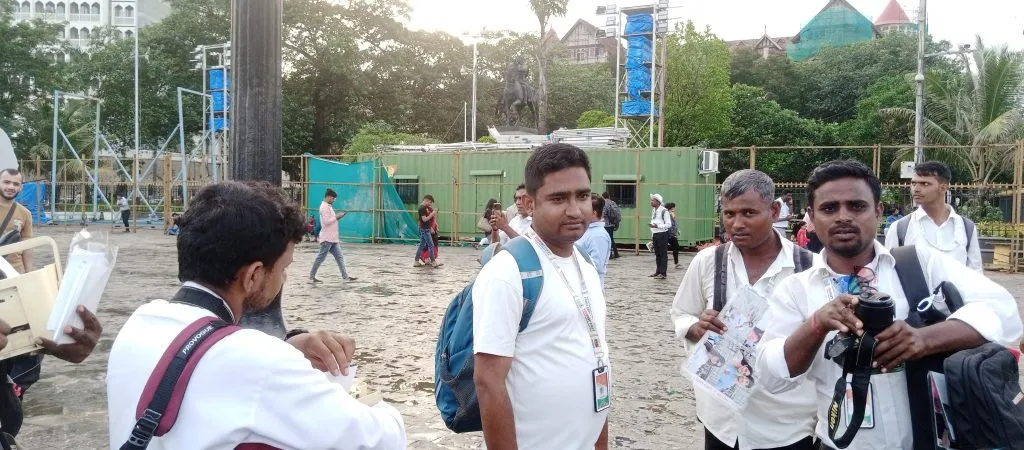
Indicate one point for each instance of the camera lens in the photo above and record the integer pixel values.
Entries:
(877, 311)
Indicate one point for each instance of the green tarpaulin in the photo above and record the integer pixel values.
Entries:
(367, 207)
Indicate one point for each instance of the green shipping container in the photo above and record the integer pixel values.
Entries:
(462, 183)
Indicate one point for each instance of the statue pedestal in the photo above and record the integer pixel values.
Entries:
(516, 130)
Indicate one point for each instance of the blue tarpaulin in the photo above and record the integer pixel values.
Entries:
(219, 103)
(218, 81)
(638, 52)
(636, 108)
(33, 197)
(639, 23)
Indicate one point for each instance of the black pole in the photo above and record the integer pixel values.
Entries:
(256, 113)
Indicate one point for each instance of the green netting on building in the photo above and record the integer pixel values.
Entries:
(371, 201)
(836, 25)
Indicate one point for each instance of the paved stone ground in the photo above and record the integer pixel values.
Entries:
(393, 311)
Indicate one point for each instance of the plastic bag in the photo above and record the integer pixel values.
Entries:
(91, 259)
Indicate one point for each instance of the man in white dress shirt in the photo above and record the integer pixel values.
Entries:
(660, 224)
(810, 308)
(758, 257)
(785, 211)
(935, 223)
(250, 387)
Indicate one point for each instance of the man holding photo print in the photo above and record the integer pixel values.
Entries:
(758, 258)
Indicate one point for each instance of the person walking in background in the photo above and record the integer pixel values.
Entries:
(612, 216)
(673, 233)
(126, 212)
(596, 241)
(660, 224)
(426, 216)
(329, 240)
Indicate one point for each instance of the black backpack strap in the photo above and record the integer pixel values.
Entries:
(911, 275)
(901, 229)
(915, 287)
(721, 274)
(161, 398)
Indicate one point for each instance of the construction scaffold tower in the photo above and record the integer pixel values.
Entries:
(640, 101)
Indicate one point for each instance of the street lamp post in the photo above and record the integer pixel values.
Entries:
(475, 54)
(135, 195)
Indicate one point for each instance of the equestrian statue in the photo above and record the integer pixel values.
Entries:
(517, 94)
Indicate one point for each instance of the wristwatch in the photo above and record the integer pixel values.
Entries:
(295, 332)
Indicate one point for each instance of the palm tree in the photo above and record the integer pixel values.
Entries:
(981, 112)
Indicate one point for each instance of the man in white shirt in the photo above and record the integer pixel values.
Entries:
(758, 257)
(548, 386)
(785, 211)
(502, 229)
(660, 224)
(250, 387)
(935, 223)
(810, 308)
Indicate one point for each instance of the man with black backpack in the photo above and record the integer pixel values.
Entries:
(935, 223)
(758, 257)
(612, 216)
(853, 326)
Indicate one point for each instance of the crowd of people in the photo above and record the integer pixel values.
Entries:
(182, 374)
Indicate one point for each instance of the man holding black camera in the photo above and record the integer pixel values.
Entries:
(853, 291)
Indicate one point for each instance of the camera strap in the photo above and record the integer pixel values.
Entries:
(857, 362)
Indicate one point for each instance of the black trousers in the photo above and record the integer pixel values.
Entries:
(661, 253)
(673, 244)
(611, 235)
(124, 217)
(712, 443)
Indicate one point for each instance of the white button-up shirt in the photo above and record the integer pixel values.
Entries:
(660, 219)
(759, 424)
(988, 308)
(950, 237)
(520, 224)
(248, 388)
(783, 223)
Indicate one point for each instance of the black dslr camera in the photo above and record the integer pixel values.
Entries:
(877, 311)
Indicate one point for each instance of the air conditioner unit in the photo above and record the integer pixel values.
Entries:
(708, 162)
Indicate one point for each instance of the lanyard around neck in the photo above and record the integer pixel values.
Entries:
(582, 300)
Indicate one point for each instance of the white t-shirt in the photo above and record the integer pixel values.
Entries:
(519, 224)
(550, 383)
(248, 388)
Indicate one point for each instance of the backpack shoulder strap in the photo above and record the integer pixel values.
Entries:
(969, 229)
(530, 272)
(721, 275)
(901, 229)
(803, 259)
(911, 274)
(161, 399)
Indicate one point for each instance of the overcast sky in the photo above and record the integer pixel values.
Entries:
(998, 21)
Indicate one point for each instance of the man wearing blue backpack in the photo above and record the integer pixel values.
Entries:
(545, 386)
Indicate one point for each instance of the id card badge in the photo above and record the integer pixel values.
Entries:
(869, 408)
(602, 391)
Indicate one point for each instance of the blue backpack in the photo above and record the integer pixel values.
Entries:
(454, 388)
